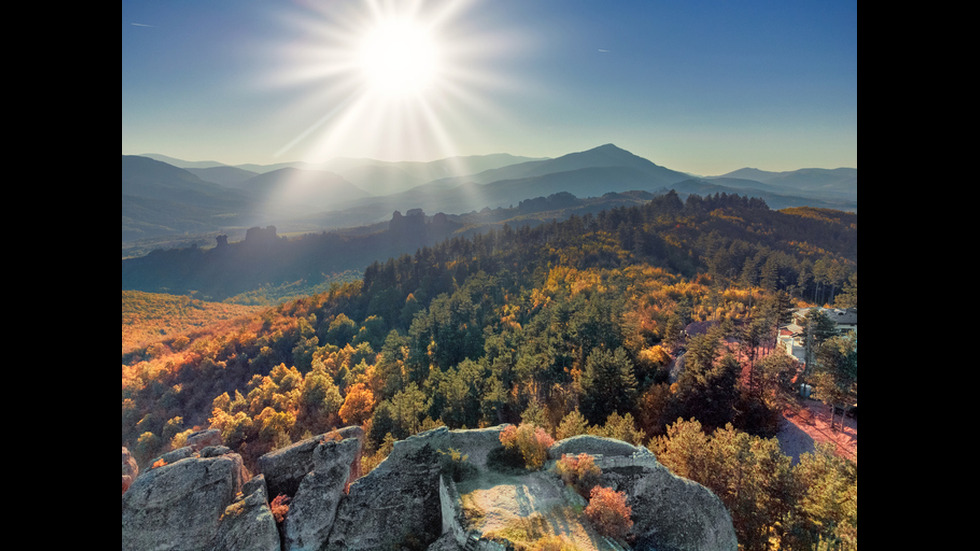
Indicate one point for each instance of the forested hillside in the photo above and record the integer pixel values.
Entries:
(148, 318)
(573, 326)
(266, 268)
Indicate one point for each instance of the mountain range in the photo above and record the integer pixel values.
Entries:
(166, 198)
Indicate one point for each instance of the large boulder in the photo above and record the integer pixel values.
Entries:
(397, 504)
(204, 438)
(285, 468)
(669, 513)
(178, 504)
(248, 524)
(312, 509)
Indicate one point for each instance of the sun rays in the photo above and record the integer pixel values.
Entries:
(396, 80)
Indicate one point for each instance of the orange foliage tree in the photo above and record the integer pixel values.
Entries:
(530, 440)
(608, 512)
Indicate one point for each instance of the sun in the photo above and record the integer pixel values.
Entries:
(390, 79)
(399, 57)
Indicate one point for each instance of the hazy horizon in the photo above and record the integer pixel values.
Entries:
(327, 162)
(700, 87)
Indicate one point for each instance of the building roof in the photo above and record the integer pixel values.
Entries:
(840, 316)
(699, 327)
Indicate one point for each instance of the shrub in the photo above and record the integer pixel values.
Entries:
(530, 440)
(279, 507)
(608, 512)
(579, 471)
(454, 463)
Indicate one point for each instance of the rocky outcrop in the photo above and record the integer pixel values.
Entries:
(592, 445)
(398, 505)
(394, 506)
(248, 524)
(178, 504)
(197, 499)
(285, 468)
(204, 438)
(670, 513)
(313, 508)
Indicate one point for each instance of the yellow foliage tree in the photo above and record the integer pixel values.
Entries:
(358, 405)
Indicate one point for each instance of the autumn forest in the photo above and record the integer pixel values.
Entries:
(574, 326)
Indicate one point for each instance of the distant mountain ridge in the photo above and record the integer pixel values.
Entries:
(230, 176)
(296, 191)
(604, 156)
(372, 175)
(162, 199)
(839, 181)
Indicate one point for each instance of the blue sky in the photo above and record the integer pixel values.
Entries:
(705, 87)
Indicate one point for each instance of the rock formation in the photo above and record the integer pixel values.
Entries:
(669, 512)
(248, 523)
(204, 438)
(180, 503)
(416, 499)
(285, 468)
(313, 509)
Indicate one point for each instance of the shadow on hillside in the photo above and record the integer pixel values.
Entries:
(793, 441)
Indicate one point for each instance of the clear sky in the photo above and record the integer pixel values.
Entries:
(701, 86)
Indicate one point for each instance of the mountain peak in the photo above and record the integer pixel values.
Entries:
(609, 155)
(609, 147)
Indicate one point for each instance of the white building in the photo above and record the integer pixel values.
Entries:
(792, 339)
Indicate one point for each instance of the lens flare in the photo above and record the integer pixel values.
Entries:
(398, 80)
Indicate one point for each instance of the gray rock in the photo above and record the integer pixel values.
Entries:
(313, 508)
(446, 542)
(204, 438)
(593, 445)
(669, 513)
(175, 455)
(248, 524)
(475, 444)
(397, 504)
(214, 451)
(285, 468)
(407, 502)
(178, 506)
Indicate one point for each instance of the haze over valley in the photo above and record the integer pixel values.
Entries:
(171, 199)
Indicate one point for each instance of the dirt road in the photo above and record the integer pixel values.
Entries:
(807, 422)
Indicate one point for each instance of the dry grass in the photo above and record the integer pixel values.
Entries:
(532, 511)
